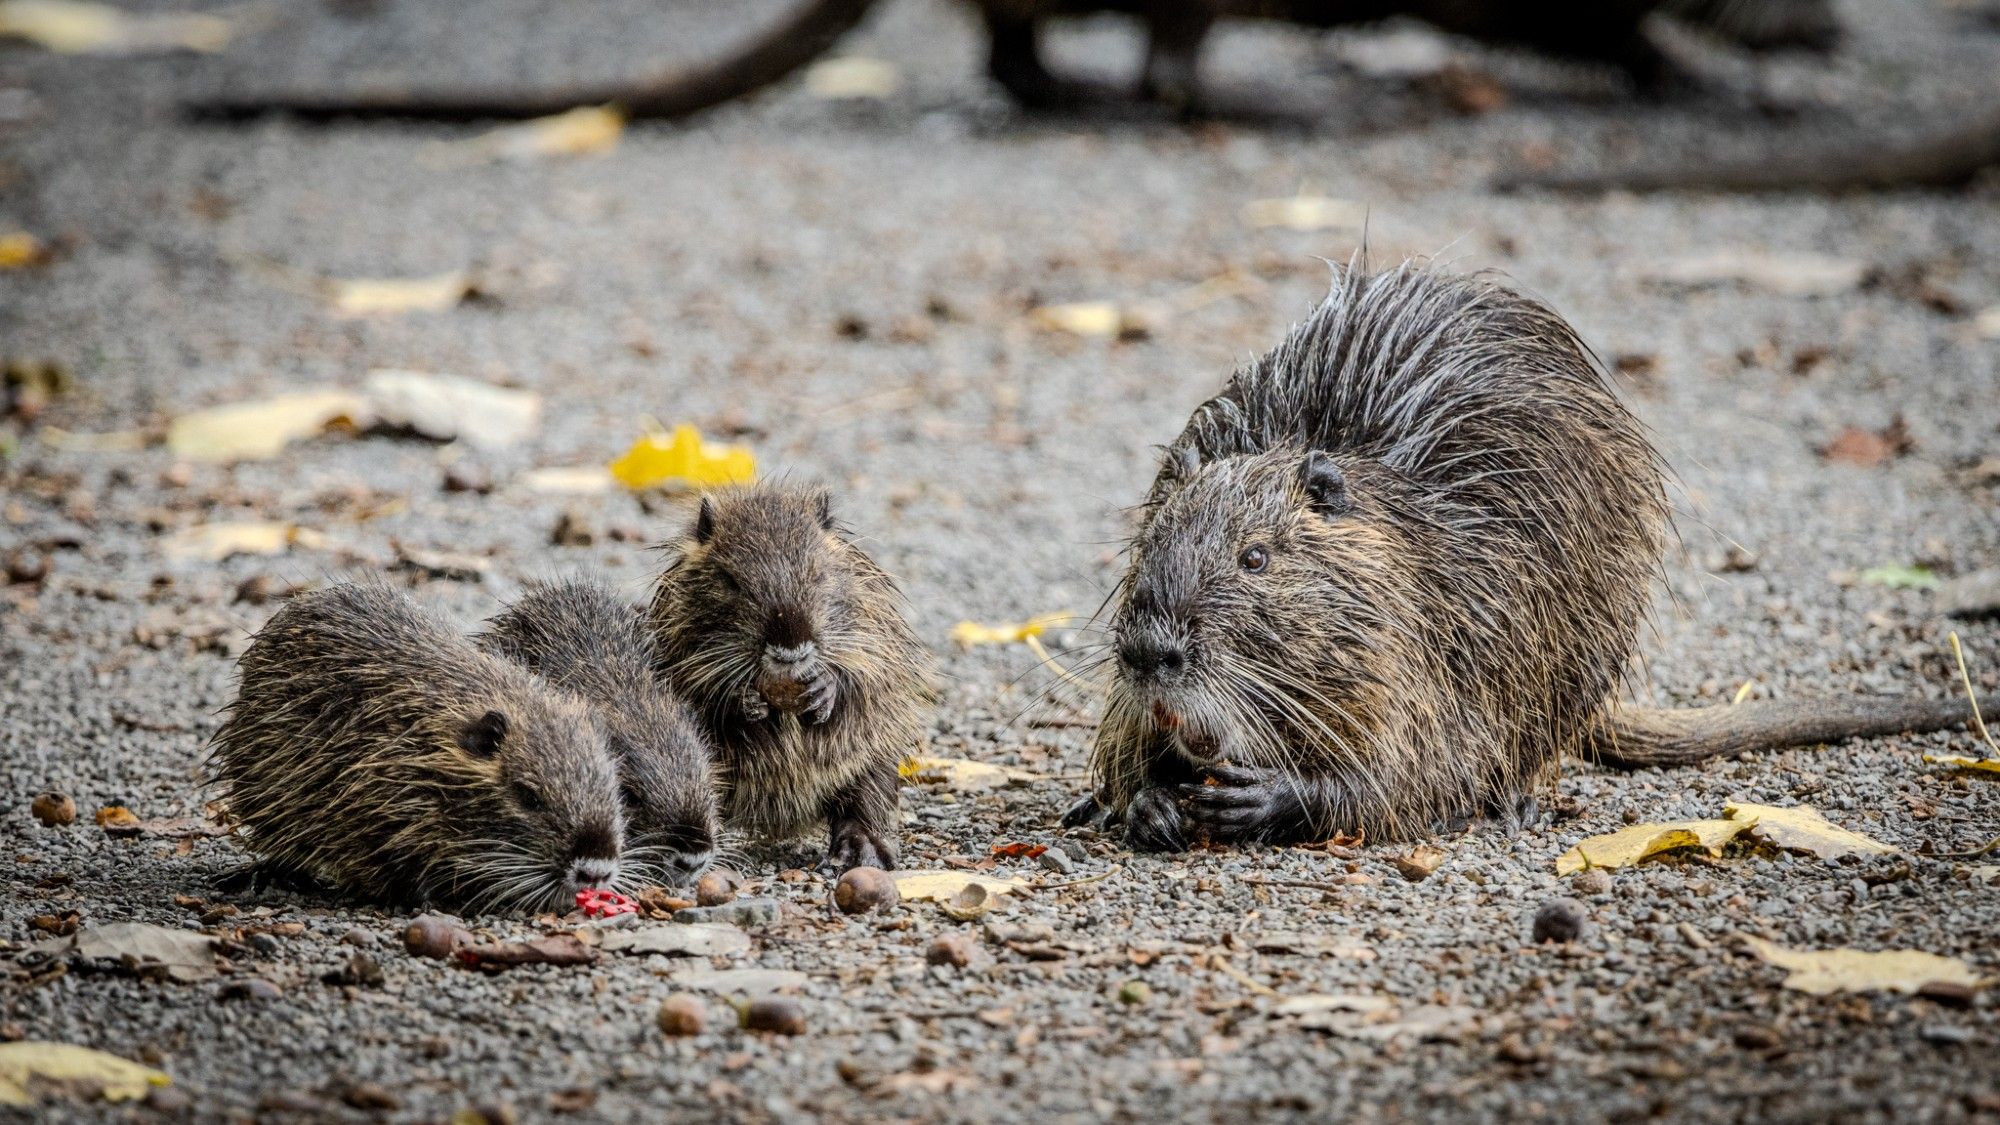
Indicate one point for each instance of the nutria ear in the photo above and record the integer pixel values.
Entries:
(482, 737)
(1325, 485)
(1183, 463)
(823, 505)
(704, 521)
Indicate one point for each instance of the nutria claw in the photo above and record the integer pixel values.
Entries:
(822, 692)
(1241, 802)
(1091, 811)
(752, 702)
(1153, 823)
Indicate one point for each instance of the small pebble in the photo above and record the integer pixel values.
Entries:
(360, 969)
(250, 988)
(743, 912)
(370, 1095)
(1056, 860)
(170, 1100)
(1134, 992)
(431, 936)
(954, 949)
(264, 945)
(716, 888)
(1591, 881)
(54, 809)
(863, 890)
(775, 1013)
(1560, 919)
(682, 1016)
(357, 936)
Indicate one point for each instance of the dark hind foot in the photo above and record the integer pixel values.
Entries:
(262, 875)
(1153, 823)
(1014, 60)
(853, 844)
(1090, 811)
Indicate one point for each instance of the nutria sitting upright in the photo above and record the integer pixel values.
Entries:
(1391, 574)
(790, 644)
(373, 748)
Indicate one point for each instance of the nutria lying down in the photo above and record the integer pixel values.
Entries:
(582, 638)
(1391, 574)
(790, 644)
(371, 747)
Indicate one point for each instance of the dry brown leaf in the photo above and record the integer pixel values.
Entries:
(71, 27)
(140, 947)
(1417, 864)
(1630, 845)
(963, 773)
(30, 1070)
(1804, 829)
(942, 886)
(1821, 971)
(21, 250)
(252, 431)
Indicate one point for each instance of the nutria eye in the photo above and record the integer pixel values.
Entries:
(631, 796)
(529, 799)
(727, 580)
(1254, 560)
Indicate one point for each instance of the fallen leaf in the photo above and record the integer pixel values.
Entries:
(583, 131)
(387, 296)
(1096, 319)
(554, 949)
(1856, 446)
(1985, 874)
(213, 542)
(682, 457)
(568, 479)
(681, 939)
(1790, 275)
(1964, 762)
(143, 948)
(1417, 864)
(21, 250)
(1306, 212)
(966, 634)
(1335, 1002)
(1019, 850)
(1427, 1023)
(1630, 845)
(452, 566)
(449, 408)
(30, 1070)
(252, 431)
(942, 886)
(1900, 576)
(71, 27)
(850, 77)
(1804, 829)
(1823, 971)
(961, 773)
(117, 820)
(746, 982)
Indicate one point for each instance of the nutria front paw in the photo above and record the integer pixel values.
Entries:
(853, 845)
(822, 692)
(1153, 823)
(1090, 811)
(752, 702)
(1244, 804)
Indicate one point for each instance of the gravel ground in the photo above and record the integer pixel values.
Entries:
(846, 287)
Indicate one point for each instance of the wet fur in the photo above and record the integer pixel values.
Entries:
(749, 558)
(583, 639)
(1422, 650)
(351, 755)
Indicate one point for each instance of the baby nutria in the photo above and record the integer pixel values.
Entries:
(1390, 575)
(373, 748)
(790, 644)
(582, 639)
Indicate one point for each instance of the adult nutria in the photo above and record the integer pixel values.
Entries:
(1390, 575)
(585, 640)
(790, 644)
(1607, 31)
(373, 748)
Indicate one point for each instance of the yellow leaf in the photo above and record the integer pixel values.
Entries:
(1630, 845)
(1961, 761)
(1306, 212)
(255, 431)
(852, 77)
(1089, 318)
(962, 773)
(70, 27)
(943, 886)
(970, 633)
(579, 132)
(1820, 971)
(26, 1068)
(1803, 829)
(682, 457)
(384, 296)
(214, 542)
(19, 250)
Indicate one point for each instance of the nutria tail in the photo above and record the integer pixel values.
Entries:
(1642, 736)
(1942, 156)
(799, 40)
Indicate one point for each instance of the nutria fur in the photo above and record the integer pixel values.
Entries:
(585, 640)
(1390, 575)
(790, 644)
(373, 748)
